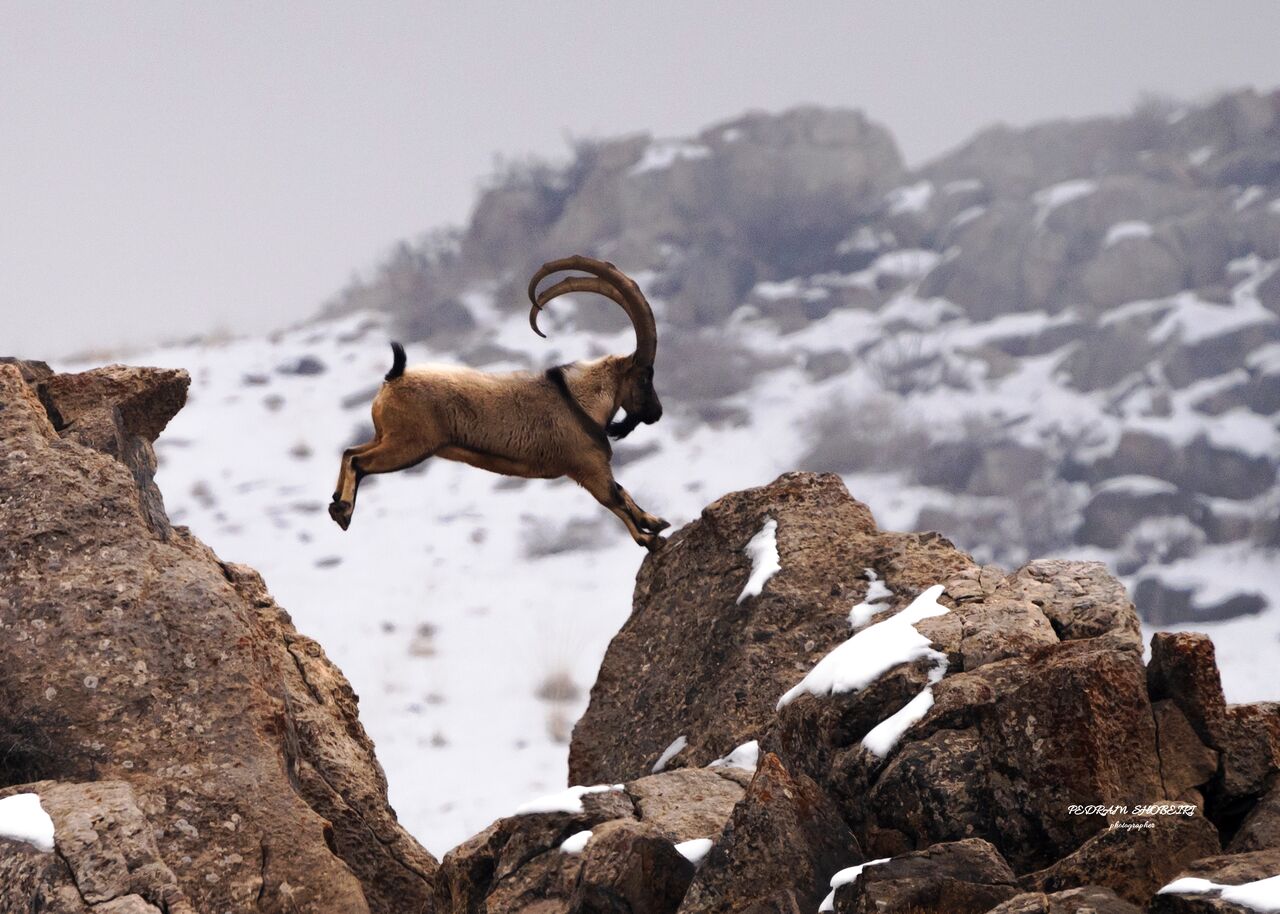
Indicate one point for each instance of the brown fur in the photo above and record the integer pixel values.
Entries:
(516, 424)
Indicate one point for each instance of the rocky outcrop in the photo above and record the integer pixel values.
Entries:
(190, 745)
(1044, 745)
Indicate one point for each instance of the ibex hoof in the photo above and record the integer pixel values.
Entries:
(660, 525)
(340, 511)
(651, 542)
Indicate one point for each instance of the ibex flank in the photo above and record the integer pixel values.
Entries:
(540, 426)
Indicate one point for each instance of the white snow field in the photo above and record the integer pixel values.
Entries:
(471, 612)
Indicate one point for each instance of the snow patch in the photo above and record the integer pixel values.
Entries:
(1130, 229)
(694, 850)
(746, 756)
(844, 877)
(669, 753)
(885, 735)
(873, 651)
(22, 818)
(1261, 895)
(1251, 195)
(762, 549)
(569, 800)
(1050, 198)
(662, 154)
(1137, 485)
(575, 842)
(962, 186)
(872, 603)
(965, 216)
(913, 198)
(1198, 157)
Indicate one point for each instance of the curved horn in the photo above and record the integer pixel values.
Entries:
(628, 295)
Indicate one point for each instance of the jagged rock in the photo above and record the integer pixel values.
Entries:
(959, 877)
(1133, 857)
(1228, 869)
(1186, 763)
(779, 848)
(108, 846)
(631, 868)
(238, 738)
(629, 864)
(1261, 828)
(1086, 900)
(1246, 737)
(1184, 670)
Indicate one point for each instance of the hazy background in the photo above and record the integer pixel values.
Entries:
(170, 169)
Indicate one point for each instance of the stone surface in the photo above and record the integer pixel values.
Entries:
(960, 877)
(1133, 857)
(239, 740)
(1087, 900)
(780, 847)
(1230, 869)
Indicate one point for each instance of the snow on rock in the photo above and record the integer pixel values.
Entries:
(694, 851)
(669, 753)
(885, 735)
(1130, 229)
(914, 198)
(1251, 195)
(575, 842)
(569, 800)
(662, 154)
(762, 549)
(22, 818)
(746, 756)
(872, 603)
(1195, 320)
(873, 651)
(1050, 198)
(844, 877)
(1137, 485)
(1262, 895)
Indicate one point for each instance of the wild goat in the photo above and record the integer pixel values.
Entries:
(540, 426)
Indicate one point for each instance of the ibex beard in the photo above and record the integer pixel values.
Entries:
(539, 426)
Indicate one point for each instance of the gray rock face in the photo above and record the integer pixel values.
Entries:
(234, 766)
(960, 877)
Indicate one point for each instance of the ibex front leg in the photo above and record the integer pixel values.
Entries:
(598, 480)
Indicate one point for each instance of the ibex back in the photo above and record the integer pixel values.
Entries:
(541, 426)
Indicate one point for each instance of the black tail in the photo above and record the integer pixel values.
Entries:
(397, 362)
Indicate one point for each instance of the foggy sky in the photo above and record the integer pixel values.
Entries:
(173, 168)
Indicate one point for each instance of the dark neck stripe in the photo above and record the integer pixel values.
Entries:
(556, 377)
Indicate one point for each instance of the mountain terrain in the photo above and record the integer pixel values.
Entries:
(1055, 341)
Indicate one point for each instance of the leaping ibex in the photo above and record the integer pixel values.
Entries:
(540, 426)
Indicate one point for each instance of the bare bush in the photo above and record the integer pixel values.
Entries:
(905, 364)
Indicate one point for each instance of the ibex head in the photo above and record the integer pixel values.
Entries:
(635, 383)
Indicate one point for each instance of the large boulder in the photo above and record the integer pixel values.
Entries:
(959, 877)
(140, 659)
(783, 840)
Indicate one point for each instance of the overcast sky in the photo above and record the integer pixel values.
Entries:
(169, 168)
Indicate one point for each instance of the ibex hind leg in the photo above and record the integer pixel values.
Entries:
(379, 456)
